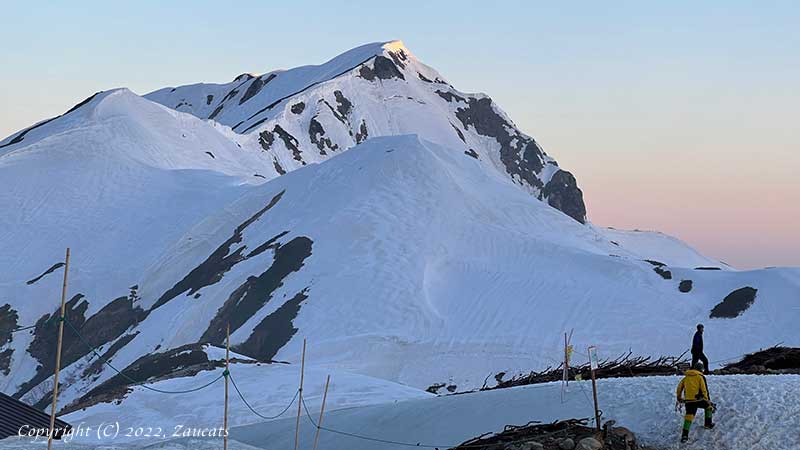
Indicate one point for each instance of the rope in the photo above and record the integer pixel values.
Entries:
(418, 444)
(23, 328)
(131, 380)
(256, 412)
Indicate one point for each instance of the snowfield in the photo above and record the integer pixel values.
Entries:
(754, 412)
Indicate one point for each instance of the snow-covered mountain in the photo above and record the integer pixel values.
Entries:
(441, 244)
(311, 113)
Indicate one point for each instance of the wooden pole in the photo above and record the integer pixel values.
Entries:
(58, 353)
(300, 397)
(566, 360)
(227, 370)
(322, 411)
(594, 393)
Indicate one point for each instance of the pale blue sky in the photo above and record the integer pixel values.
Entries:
(678, 117)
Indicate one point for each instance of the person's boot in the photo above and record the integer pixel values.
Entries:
(709, 424)
(685, 432)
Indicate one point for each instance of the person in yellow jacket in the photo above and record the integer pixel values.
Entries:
(693, 393)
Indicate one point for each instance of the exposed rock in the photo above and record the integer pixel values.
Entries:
(216, 111)
(211, 155)
(317, 135)
(344, 106)
(8, 323)
(707, 268)
(450, 97)
(366, 73)
(383, 68)
(562, 193)
(209, 99)
(97, 365)
(434, 388)
(685, 286)
(398, 57)
(459, 133)
(589, 443)
(424, 78)
(566, 444)
(266, 139)
(256, 291)
(298, 108)
(521, 156)
(290, 142)
(275, 331)
(471, 153)
(5, 361)
(735, 303)
(531, 445)
(243, 77)
(665, 274)
(655, 263)
(362, 133)
(218, 263)
(255, 87)
(278, 167)
(184, 361)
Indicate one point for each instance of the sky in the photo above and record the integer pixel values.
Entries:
(679, 117)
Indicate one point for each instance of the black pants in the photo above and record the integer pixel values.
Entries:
(700, 357)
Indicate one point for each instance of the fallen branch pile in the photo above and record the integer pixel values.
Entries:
(773, 360)
(624, 366)
(565, 434)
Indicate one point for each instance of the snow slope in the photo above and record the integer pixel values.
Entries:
(657, 246)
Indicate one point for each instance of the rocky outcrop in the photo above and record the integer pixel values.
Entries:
(562, 193)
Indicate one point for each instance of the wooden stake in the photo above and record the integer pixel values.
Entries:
(322, 411)
(300, 397)
(58, 353)
(227, 370)
(594, 392)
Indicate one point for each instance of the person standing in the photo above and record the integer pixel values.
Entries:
(697, 349)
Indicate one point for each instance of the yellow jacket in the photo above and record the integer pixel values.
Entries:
(693, 385)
